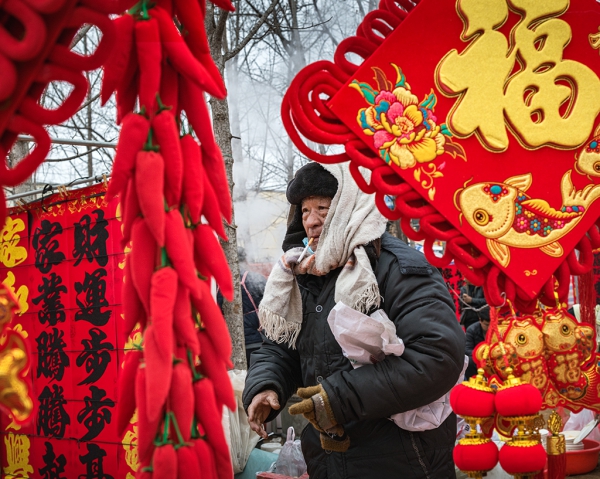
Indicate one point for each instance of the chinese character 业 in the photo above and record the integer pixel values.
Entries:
(52, 310)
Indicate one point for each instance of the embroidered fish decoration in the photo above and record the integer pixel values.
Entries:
(588, 160)
(507, 217)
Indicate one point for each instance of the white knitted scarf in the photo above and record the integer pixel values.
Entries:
(353, 221)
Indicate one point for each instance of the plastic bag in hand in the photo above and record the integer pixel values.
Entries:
(369, 339)
(291, 461)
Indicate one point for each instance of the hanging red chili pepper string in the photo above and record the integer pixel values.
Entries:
(169, 184)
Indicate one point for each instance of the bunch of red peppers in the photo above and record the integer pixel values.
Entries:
(169, 180)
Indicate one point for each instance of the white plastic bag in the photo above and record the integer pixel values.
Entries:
(240, 438)
(368, 339)
(291, 461)
(578, 420)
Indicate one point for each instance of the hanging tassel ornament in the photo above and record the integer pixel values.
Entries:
(556, 448)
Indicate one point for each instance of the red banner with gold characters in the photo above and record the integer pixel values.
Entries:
(63, 260)
(482, 118)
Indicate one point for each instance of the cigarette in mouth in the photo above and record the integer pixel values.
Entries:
(305, 250)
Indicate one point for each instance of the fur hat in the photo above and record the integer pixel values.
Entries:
(311, 180)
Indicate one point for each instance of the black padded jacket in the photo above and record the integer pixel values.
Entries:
(415, 297)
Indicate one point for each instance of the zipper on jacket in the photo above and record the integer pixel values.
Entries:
(421, 461)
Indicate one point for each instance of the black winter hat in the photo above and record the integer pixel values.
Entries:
(311, 180)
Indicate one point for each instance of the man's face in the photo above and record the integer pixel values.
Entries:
(484, 325)
(314, 212)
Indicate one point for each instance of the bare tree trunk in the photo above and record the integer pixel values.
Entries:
(20, 150)
(220, 113)
(90, 160)
(241, 172)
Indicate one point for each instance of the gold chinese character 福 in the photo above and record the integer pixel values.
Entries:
(547, 100)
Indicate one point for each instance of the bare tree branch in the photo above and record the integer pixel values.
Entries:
(252, 32)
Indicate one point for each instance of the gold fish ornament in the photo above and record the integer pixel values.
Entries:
(588, 159)
(556, 355)
(507, 217)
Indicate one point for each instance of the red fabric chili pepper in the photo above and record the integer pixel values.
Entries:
(149, 51)
(146, 429)
(130, 77)
(134, 134)
(189, 14)
(213, 366)
(130, 211)
(167, 5)
(180, 251)
(142, 474)
(212, 321)
(187, 464)
(133, 309)
(126, 97)
(208, 252)
(181, 398)
(149, 181)
(183, 322)
(182, 59)
(192, 100)
(33, 37)
(158, 340)
(193, 177)
(125, 391)
(143, 259)
(117, 63)
(209, 415)
(164, 462)
(169, 88)
(206, 459)
(210, 208)
(165, 129)
(110, 6)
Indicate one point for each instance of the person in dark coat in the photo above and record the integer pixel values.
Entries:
(349, 435)
(475, 334)
(252, 287)
(472, 303)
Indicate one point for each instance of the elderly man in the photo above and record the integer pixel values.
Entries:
(351, 260)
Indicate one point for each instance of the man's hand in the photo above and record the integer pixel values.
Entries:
(259, 410)
(466, 298)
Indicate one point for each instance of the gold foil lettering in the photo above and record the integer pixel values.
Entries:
(548, 100)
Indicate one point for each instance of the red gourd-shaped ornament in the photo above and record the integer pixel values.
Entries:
(519, 403)
(475, 454)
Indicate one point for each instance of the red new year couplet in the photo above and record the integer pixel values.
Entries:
(488, 111)
(62, 258)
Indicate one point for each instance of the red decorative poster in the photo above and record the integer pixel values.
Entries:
(487, 111)
(63, 260)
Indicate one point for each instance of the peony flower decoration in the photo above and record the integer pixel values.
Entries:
(404, 131)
